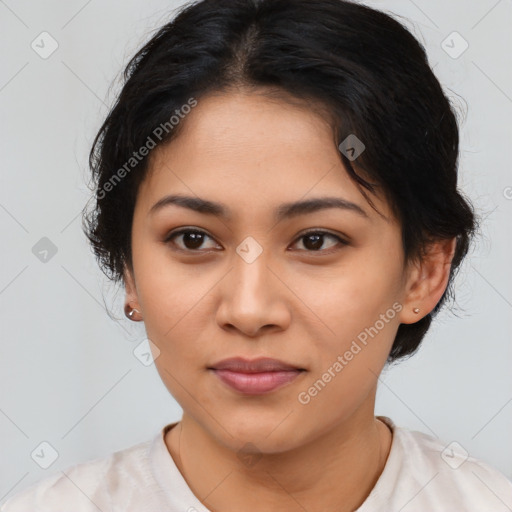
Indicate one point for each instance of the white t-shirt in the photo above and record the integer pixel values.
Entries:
(417, 477)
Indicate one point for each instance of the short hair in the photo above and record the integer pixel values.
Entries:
(368, 73)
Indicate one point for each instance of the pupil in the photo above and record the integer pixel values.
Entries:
(317, 243)
(192, 240)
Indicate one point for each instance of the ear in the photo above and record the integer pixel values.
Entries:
(131, 296)
(427, 278)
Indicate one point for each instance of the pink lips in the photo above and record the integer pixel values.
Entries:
(257, 376)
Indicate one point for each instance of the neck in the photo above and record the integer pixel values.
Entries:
(335, 471)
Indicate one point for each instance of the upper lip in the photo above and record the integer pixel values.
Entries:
(260, 365)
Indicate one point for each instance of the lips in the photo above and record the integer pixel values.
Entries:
(260, 365)
(254, 377)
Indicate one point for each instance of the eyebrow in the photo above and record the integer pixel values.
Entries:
(284, 211)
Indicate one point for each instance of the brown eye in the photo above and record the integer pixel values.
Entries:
(314, 241)
(191, 239)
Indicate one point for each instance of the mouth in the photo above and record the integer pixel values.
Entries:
(255, 377)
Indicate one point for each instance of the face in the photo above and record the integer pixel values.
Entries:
(321, 289)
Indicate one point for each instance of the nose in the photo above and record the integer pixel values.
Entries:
(253, 299)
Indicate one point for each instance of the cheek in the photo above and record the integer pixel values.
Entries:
(365, 322)
(174, 315)
(352, 296)
(168, 291)
(360, 308)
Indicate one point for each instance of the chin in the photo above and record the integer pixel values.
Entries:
(267, 435)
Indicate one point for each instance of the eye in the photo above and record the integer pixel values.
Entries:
(191, 239)
(313, 241)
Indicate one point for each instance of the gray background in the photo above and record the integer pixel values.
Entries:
(68, 373)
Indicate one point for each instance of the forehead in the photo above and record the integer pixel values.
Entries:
(247, 149)
(241, 124)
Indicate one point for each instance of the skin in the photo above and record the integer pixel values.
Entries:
(292, 303)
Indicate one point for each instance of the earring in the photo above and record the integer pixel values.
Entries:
(416, 310)
(129, 313)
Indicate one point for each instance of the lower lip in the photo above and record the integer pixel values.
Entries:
(256, 383)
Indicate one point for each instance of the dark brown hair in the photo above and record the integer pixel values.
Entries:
(367, 70)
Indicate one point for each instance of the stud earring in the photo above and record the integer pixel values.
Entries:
(416, 310)
(129, 312)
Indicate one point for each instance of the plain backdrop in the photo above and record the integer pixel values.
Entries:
(68, 373)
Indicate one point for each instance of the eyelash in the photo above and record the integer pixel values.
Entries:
(320, 232)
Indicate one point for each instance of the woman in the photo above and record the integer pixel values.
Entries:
(276, 189)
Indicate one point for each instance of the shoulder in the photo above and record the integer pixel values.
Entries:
(444, 476)
(89, 486)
